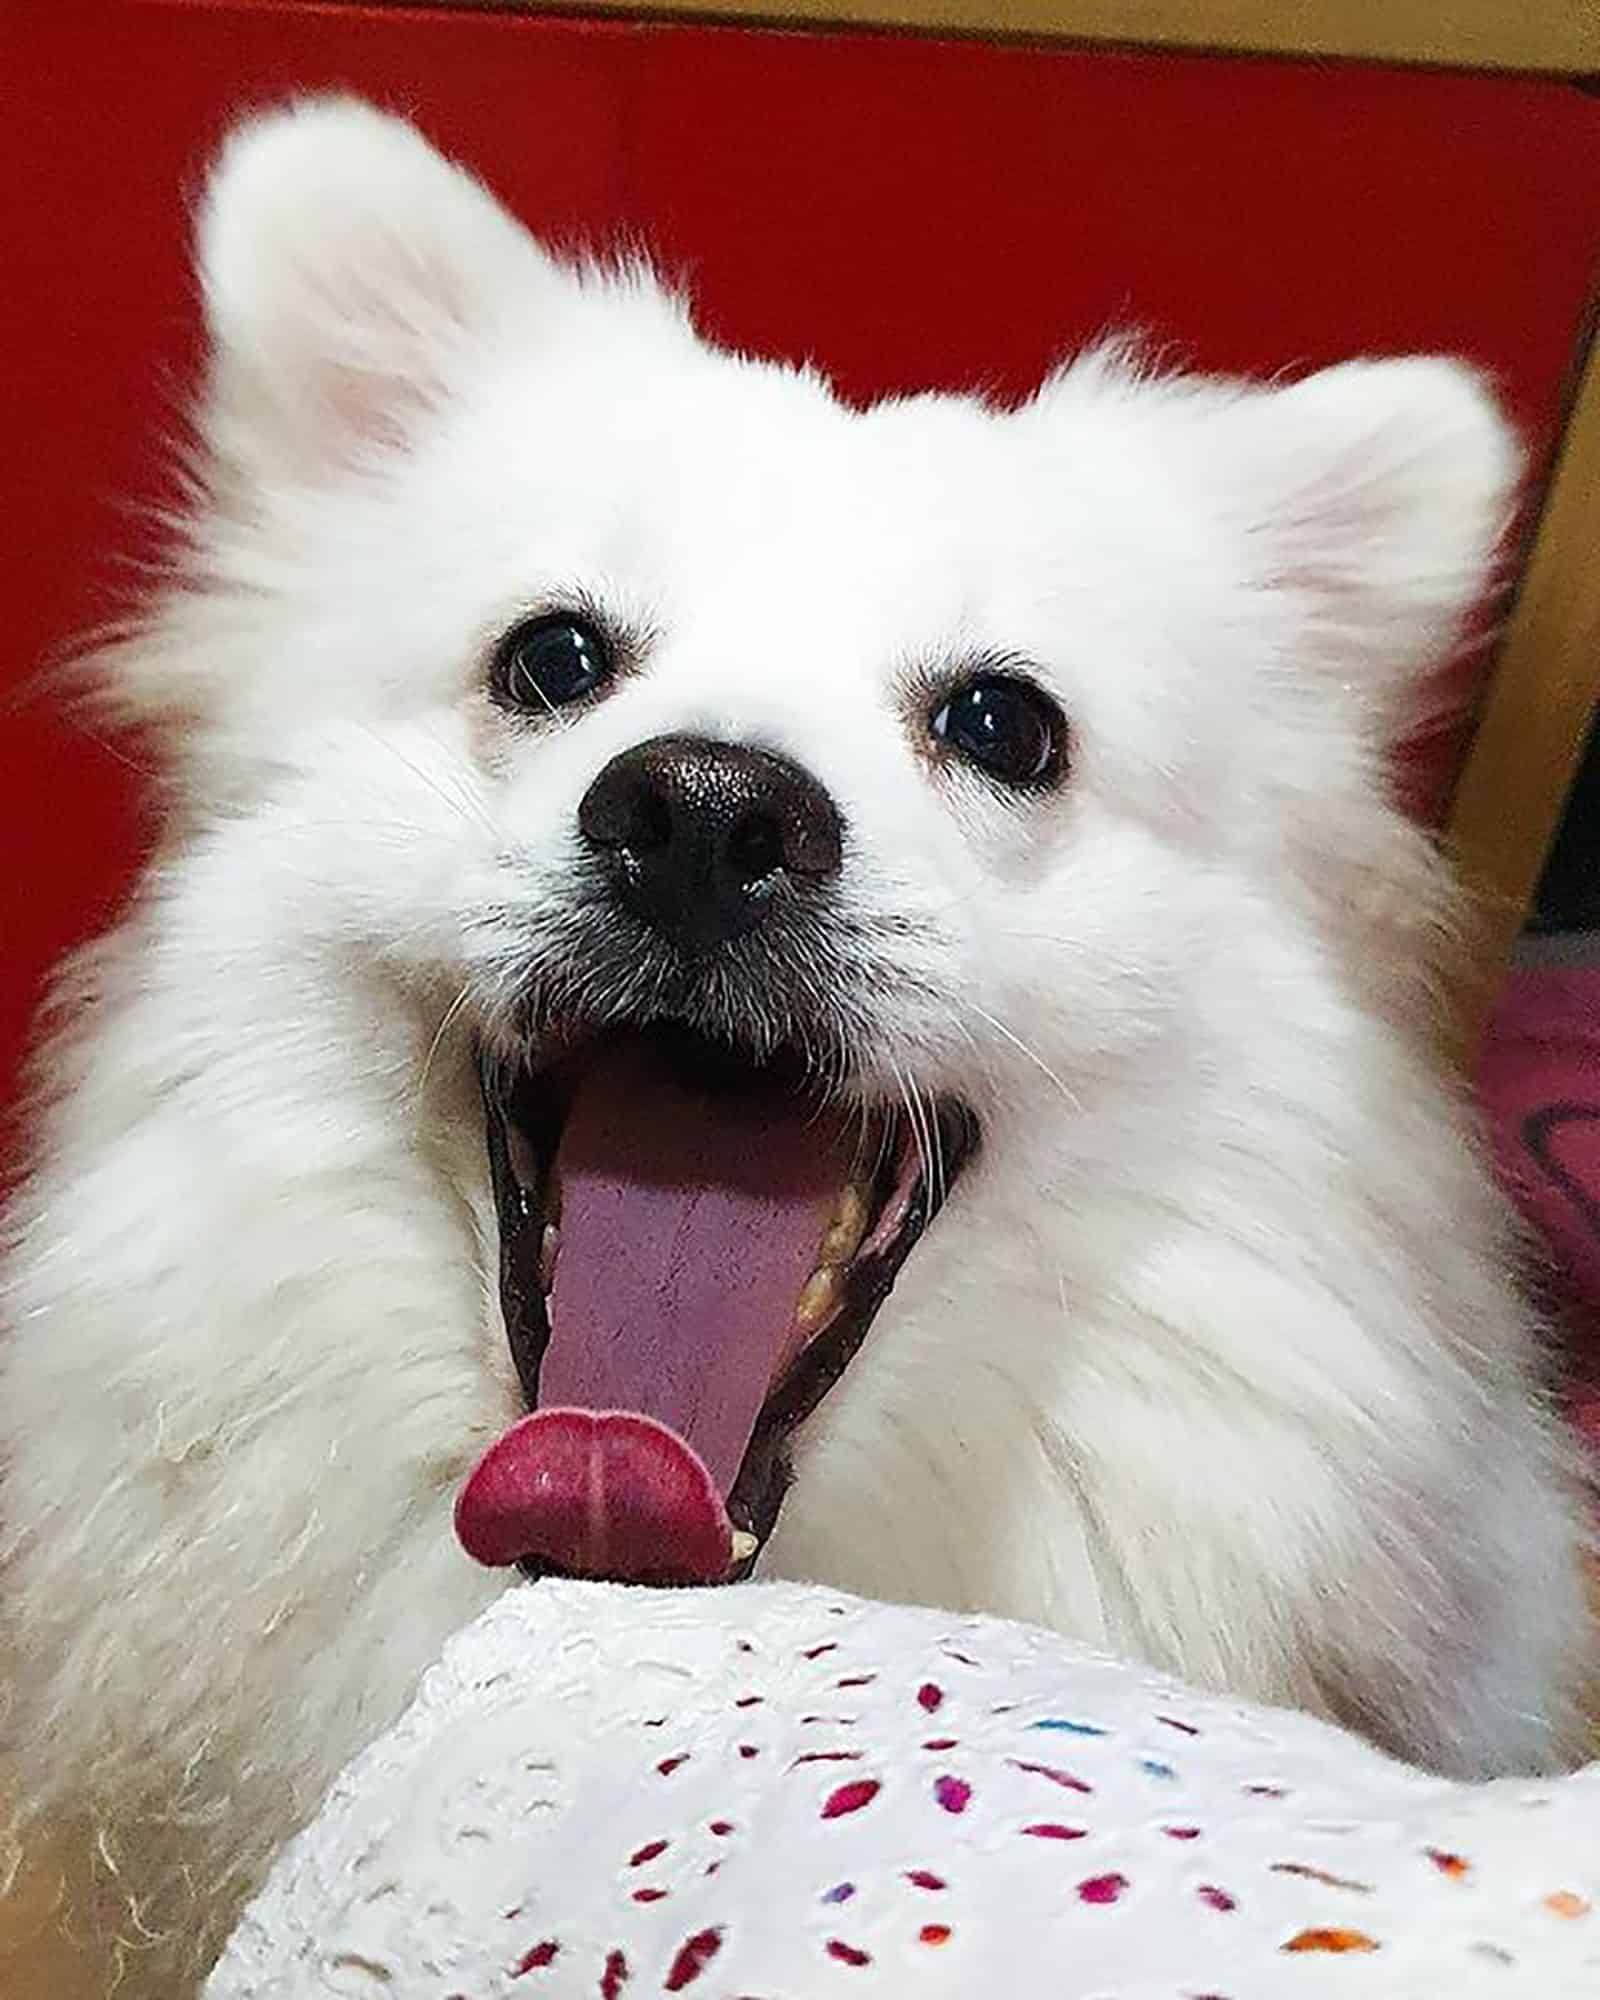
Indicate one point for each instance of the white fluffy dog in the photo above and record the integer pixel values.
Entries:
(643, 833)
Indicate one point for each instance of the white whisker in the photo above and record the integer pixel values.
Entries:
(1022, 1047)
(914, 1116)
(443, 1029)
(461, 802)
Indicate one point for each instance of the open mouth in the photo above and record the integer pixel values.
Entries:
(693, 1246)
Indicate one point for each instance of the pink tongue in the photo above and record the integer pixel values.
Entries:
(689, 1225)
(609, 1495)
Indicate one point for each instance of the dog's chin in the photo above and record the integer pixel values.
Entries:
(694, 1242)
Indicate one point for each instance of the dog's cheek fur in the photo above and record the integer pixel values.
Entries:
(1148, 1387)
(251, 1353)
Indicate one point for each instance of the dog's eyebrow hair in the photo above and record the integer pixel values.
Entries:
(937, 666)
(635, 631)
(929, 675)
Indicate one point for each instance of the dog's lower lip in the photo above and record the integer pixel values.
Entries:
(525, 1109)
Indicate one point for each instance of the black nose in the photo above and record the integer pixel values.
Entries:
(701, 837)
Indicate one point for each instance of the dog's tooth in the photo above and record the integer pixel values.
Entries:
(744, 1545)
(549, 1250)
(818, 1299)
(847, 1228)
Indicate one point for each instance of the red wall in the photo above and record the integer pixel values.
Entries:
(909, 213)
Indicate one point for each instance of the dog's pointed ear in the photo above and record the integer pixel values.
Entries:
(1378, 492)
(347, 270)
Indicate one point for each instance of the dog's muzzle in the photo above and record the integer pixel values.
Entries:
(696, 1230)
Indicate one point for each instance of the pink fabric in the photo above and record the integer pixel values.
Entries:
(1540, 1085)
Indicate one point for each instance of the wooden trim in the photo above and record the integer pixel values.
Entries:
(1545, 689)
(1560, 37)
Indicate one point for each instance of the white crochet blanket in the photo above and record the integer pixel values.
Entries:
(779, 1792)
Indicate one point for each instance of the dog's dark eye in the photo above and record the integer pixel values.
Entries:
(546, 662)
(1007, 727)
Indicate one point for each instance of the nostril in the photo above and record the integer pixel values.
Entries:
(651, 826)
(626, 809)
(755, 848)
(814, 842)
